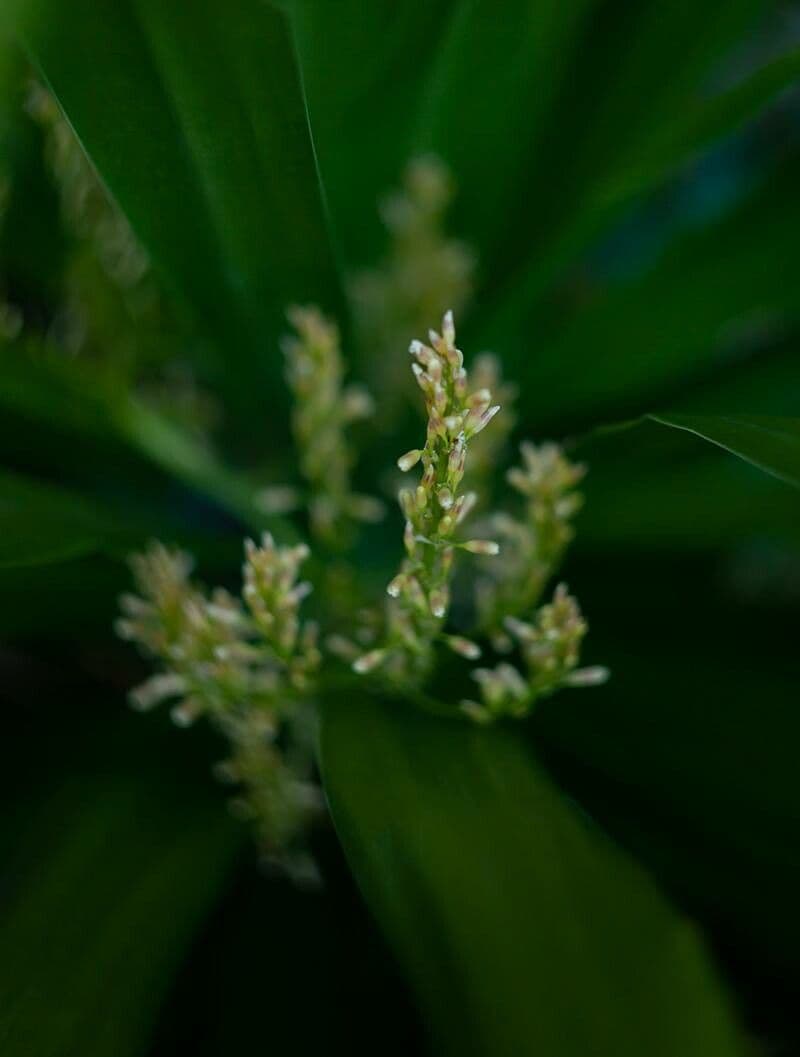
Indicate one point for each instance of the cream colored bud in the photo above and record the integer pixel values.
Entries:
(358, 403)
(367, 508)
(455, 461)
(486, 547)
(594, 676)
(445, 497)
(409, 538)
(465, 506)
(439, 601)
(435, 370)
(448, 327)
(480, 398)
(368, 662)
(406, 499)
(409, 460)
(476, 712)
(396, 585)
(463, 647)
(478, 420)
(278, 499)
(342, 647)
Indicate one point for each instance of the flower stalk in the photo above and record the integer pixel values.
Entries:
(434, 510)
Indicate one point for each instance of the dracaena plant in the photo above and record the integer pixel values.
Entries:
(254, 666)
(221, 228)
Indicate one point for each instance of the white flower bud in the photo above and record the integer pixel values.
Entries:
(368, 662)
(448, 327)
(409, 460)
(395, 586)
(439, 600)
(463, 647)
(594, 676)
(464, 506)
(278, 499)
(486, 547)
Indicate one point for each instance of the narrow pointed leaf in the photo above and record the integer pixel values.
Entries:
(41, 523)
(771, 443)
(706, 123)
(519, 925)
(104, 886)
(194, 118)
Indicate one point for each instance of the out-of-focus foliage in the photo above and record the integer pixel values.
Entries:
(624, 179)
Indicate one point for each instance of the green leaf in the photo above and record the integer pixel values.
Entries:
(655, 487)
(365, 70)
(107, 875)
(708, 121)
(519, 925)
(530, 52)
(689, 753)
(172, 449)
(56, 394)
(41, 523)
(194, 118)
(635, 66)
(627, 342)
(769, 442)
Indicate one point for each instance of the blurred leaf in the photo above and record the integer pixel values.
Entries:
(365, 72)
(60, 394)
(206, 149)
(625, 343)
(768, 442)
(708, 121)
(689, 753)
(106, 878)
(656, 487)
(696, 502)
(213, 1014)
(41, 523)
(181, 455)
(637, 64)
(650, 487)
(508, 911)
(530, 52)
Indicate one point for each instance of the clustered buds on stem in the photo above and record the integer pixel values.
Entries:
(533, 546)
(250, 666)
(323, 408)
(434, 510)
(550, 649)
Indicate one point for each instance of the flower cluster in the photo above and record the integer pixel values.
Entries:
(550, 648)
(424, 272)
(323, 408)
(434, 510)
(531, 547)
(248, 664)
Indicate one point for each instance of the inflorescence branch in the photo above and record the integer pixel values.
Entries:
(254, 667)
(434, 510)
(323, 409)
